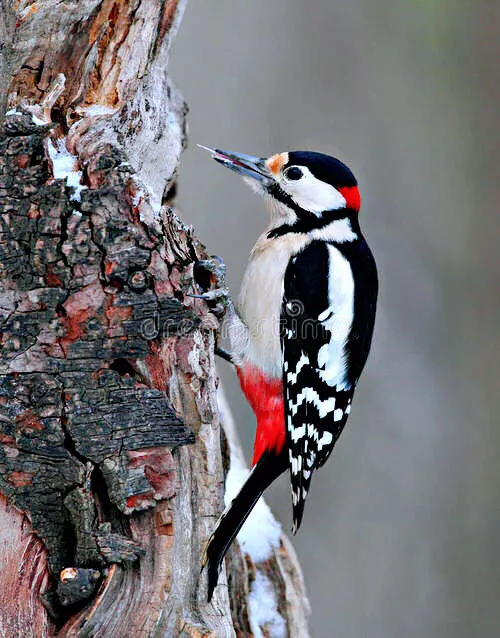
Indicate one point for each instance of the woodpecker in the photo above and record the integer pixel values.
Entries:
(301, 333)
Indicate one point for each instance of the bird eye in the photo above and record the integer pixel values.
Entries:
(293, 173)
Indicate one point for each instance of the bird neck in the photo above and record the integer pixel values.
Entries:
(339, 225)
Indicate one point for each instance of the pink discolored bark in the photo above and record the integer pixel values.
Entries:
(23, 566)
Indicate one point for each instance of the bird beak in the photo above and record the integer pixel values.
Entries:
(245, 165)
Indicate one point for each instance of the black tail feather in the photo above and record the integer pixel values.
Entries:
(265, 471)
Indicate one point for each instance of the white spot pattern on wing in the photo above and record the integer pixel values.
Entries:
(291, 377)
(324, 406)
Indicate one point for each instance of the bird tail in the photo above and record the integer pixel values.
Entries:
(264, 472)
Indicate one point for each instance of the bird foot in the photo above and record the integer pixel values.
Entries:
(210, 276)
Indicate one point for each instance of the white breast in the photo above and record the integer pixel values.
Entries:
(261, 298)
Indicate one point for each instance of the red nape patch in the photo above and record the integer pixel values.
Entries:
(352, 197)
(265, 396)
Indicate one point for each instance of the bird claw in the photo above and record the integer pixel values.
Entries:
(213, 295)
(214, 284)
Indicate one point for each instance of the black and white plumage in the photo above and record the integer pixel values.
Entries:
(303, 328)
(330, 292)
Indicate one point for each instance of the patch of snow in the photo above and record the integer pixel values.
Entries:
(155, 203)
(62, 160)
(263, 610)
(261, 532)
(63, 163)
(145, 218)
(194, 353)
(38, 121)
(97, 109)
(141, 201)
(139, 194)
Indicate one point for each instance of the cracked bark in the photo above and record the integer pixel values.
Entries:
(111, 467)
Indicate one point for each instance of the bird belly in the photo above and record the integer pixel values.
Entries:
(261, 299)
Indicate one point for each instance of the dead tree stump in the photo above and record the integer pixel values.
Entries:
(111, 462)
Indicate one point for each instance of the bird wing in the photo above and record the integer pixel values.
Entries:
(317, 387)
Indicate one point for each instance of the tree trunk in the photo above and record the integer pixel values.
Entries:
(111, 461)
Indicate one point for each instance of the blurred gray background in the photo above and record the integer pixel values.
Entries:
(401, 537)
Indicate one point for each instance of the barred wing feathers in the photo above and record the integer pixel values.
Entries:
(322, 359)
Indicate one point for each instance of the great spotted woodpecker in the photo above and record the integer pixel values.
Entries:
(303, 329)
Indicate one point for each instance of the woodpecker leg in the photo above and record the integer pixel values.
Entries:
(214, 295)
(210, 276)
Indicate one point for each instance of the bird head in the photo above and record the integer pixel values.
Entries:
(304, 190)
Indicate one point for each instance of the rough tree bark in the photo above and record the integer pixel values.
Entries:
(111, 459)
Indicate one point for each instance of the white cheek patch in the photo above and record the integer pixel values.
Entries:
(312, 194)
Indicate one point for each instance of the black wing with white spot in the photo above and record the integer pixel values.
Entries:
(326, 327)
